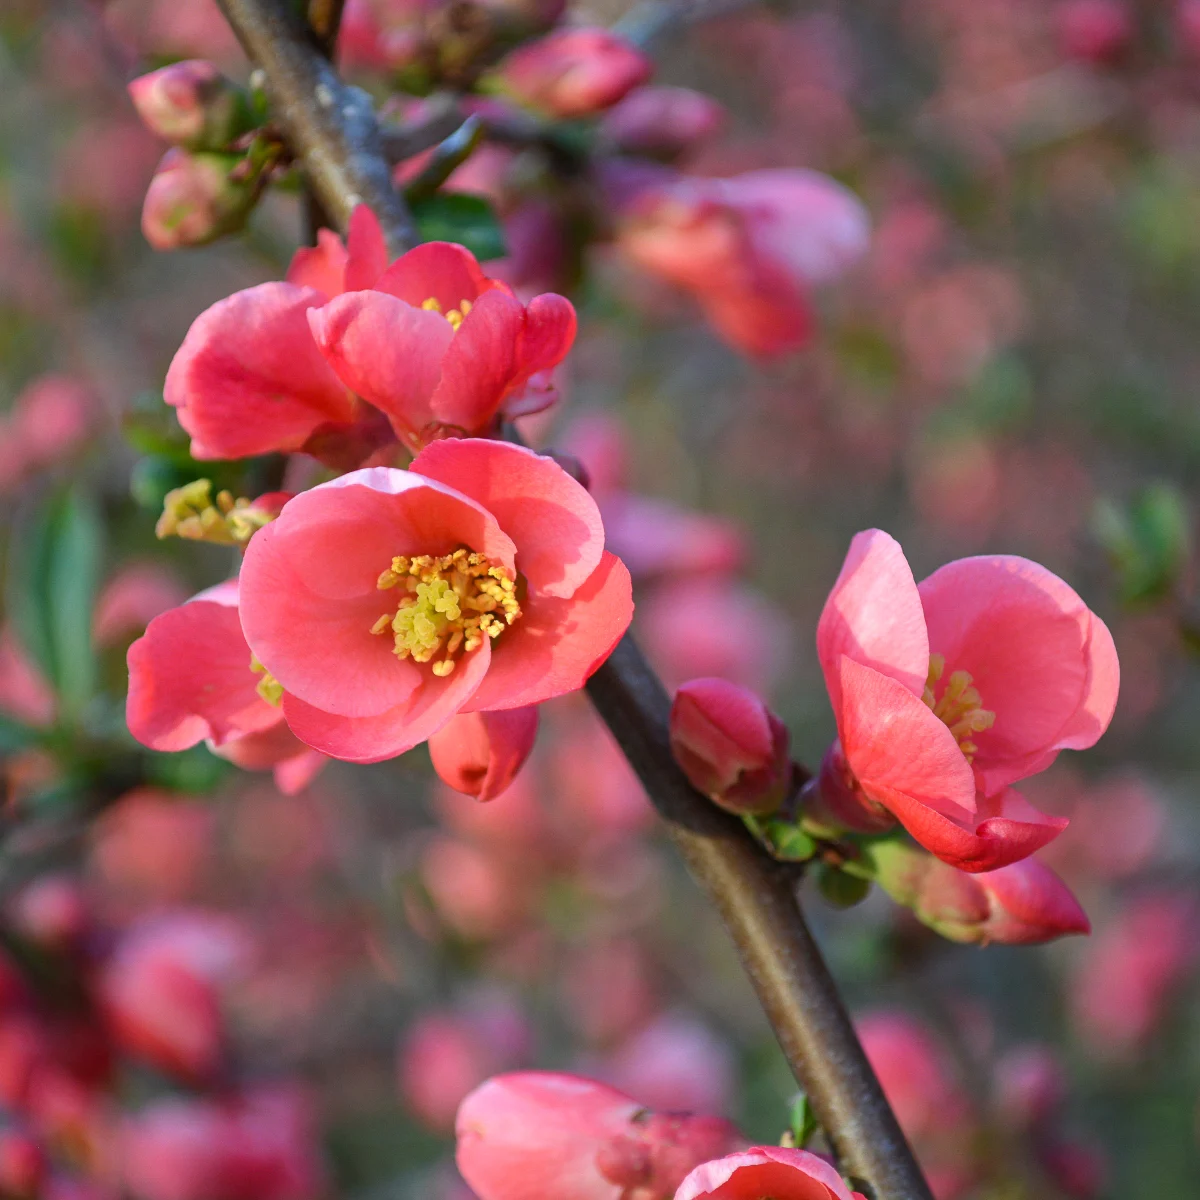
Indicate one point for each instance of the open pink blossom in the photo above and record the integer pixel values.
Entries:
(947, 693)
(349, 352)
(749, 248)
(191, 680)
(387, 601)
(766, 1173)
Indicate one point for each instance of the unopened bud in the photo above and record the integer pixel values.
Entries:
(730, 746)
(834, 800)
(479, 754)
(196, 198)
(575, 72)
(662, 122)
(192, 104)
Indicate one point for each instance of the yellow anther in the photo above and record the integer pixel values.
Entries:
(454, 316)
(269, 688)
(192, 512)
(960, 706)
(431, 305)
(451, 602)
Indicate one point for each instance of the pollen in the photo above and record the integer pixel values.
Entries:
(269, 688)
(451, 603)
(454, 316)
(960, 705)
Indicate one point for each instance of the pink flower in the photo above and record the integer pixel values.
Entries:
(324, 361)
(766, 1173)
(575, 72)
(25, 692)
(132, 598)
(662, 122)
(480, 753)
(534, 1134)
(1094, 31)
(730, 745)
(748, 248)
(195, 198)
(191, 679)
(48, 423)
(947, 693)
(387, 601)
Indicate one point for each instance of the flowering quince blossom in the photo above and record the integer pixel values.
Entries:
(533, 1134)
(947, 693)
(387, 601)
(347, 346)
(191, 679)
(766, 1173)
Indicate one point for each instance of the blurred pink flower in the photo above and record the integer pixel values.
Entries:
(25, 692)
(132, 597)
(662, 122)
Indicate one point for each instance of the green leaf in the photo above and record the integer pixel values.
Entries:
(802, 1123)
(53, 574)
(1148, 543)
(458, 217)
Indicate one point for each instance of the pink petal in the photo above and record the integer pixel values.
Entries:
(293, 775)
(1015, 831)
(309, 583)
(190, 680)
(321, 267)
(895, 745)
(249, 378)
(551, 518)
(761, 321)
(873, 616)
(441, 271)
(480, 363)
(1024, 636)
(480, 754)
(547, 335)
(1099, 700)
(367, 256)
(387, 734)
(764, 1171)
(557, 644)
(385, 350)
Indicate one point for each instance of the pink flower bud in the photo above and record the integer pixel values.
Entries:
(766, 1171)
(575, 72)
(730, 745)
(191, 104)
(534, 1134)
(480, 753)
(662, 122)
(194, 199)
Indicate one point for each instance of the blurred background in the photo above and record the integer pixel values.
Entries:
(210, 990)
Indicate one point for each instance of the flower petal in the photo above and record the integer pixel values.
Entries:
(551, 518)
(873, 616)
(1024, 636)
(249, 378)
(480, 364)
(765, 1171)
(321, 267)
(387, 734)
(366, 250)
(441, 271)
(190, 679)
(547, 334)
(385, 350)
(895, 745)
(309, 583)
(557, 644)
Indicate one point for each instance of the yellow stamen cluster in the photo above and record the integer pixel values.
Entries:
(191, 512)
(960, 705)
(454, 316)
(454, 601)
(269, 688)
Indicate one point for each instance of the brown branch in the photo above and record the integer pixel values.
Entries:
(754, 895)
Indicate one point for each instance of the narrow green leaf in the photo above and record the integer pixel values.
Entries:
(458, 217)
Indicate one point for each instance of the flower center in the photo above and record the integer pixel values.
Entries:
(453, 602)
(269, 688)
(960, 705)
(454, 316)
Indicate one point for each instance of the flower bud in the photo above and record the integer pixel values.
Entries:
(575, 72)
(533, 1134)
(662, 122)
(194, 199)
(835, 801)
(480, 753)
(730, 746)
(191, 104)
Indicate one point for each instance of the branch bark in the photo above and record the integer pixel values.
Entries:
(339, 143)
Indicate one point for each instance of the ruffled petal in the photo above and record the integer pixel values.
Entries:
(309, 583)
(557, 644)
(894, 745)
(249, 378)
(390, 733)
(1024, 637)
(873, 616)
(551, 518)
(385, 350)
(480, 364)
(321, 267)
(366, 250)
(441, 271)
(190, 680)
